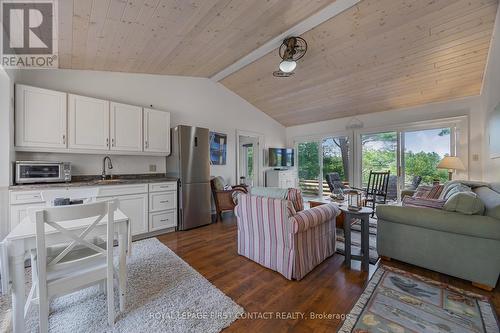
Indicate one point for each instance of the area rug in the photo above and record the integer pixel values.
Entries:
(164, 294)
(356, 239)
(398, 301)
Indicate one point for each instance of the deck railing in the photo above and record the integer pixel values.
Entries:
(310, 187)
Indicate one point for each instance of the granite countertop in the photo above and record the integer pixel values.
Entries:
(97, 181)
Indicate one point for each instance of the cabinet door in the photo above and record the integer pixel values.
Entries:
(40, 117)
(19, 212)
(126, 127)
(156, 131)
(135, 206)
(88, 123)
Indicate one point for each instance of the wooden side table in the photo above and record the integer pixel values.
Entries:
(364, 216)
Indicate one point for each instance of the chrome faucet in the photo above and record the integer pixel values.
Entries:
(110, 166)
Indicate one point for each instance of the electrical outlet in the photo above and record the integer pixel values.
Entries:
(152, 168)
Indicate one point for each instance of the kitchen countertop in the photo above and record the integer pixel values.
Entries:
(97, 181)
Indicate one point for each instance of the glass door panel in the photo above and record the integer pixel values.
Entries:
(379, 153)
(335, 159)
(423, 149)
(309, 168)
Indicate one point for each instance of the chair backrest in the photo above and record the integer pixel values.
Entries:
(415, 182)
(378, 183)
(57, 217)
(392, 188)
(334, 182)
(87, 194)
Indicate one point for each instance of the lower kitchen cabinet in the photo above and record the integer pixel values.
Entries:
(135, 206)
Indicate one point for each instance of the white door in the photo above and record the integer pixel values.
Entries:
(88, 123)
(126, 127)
(156, 131)
(135, 206)
(40, 117)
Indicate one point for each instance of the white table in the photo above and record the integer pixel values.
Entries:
(22, 240)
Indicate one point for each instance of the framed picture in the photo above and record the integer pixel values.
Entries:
(495, 133)
(218, 148)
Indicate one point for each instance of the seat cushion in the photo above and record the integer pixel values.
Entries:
(491, 200)
(466, 202)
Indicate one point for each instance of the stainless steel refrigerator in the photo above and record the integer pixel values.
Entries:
(190, 163)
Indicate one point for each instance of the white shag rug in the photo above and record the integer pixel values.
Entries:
(164, 294)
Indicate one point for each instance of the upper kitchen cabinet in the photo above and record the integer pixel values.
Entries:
(156, 131)
(88, 123)
(126, 127)
(40, 117)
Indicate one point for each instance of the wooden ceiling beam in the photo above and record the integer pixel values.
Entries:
(311, 22)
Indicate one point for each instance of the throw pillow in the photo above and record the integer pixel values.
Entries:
(453, 189)
(435, 192)
(219, 183)
(423, 202)
(465, 203)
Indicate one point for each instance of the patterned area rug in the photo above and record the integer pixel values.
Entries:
(164, 294)
(401, 302)
(356, 239)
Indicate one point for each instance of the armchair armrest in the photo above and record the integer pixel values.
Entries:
(313, 217)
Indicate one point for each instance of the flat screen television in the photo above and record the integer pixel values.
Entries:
(281, 157)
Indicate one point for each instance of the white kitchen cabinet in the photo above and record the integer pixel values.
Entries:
(40, 118)
(135, 206)
(126, 127)
(156, 131)
(162, 220)
(88, 120)
(19, 212)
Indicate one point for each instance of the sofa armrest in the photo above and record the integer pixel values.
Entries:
(313, 217)
(441, 220)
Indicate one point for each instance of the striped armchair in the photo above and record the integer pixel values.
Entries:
(272, 233)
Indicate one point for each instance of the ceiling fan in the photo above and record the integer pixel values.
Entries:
(291, 50)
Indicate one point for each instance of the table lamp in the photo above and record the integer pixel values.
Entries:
(451, 163)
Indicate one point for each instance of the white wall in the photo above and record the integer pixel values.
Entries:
(191, 101)
(470, 107)
(490, 99)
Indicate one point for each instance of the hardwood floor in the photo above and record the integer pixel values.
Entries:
(328, 289)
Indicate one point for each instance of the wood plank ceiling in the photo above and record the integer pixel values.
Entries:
(176, 37)
(378, 55)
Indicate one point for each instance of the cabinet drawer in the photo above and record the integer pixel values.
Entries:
(162, 220)
(23, 197)
(113, 190)
(162, 201)
(162, 187)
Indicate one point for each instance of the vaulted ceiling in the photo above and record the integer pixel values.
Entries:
(175, 37)
(375, 56)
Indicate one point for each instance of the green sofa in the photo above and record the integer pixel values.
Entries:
(463, 244)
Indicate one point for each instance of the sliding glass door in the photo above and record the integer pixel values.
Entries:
(318, 158)
(423, 149)
(411, 156)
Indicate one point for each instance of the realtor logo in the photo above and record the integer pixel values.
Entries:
(29, 38)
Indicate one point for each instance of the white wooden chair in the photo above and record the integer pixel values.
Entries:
(67, 272)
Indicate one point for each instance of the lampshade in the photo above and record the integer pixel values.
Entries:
(287, 66)
(451, 163)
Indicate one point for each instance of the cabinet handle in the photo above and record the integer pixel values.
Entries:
(107, 142)
(113, 142)
(164, 220)
(64, 138)
(165, 201)
(146, 144)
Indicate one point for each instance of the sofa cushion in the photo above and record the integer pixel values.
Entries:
(467, 203)
(491, 200)
(441, 220)
(452, 188)
(269, 192)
